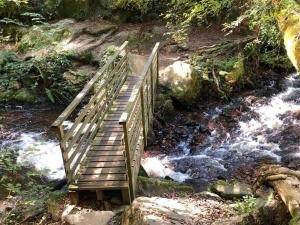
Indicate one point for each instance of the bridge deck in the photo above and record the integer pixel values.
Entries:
(104, 167)
(112, 117)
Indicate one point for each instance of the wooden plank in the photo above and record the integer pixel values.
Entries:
(107, 148)
(104, 133)
(108, 143)
(99, 195)
(105, 158)
(99, 185)
(106, 153)
(105, 164)
(104, 170)
(112, 129)
(102, 177)
(109, 137)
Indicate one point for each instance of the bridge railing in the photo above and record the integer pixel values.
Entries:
(137, 117)
(103, 88)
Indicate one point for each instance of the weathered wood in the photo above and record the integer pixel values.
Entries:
(103, 148)
(105, 164)
(67, 112)
(126, 196)
(99, 195)
(102, 177)
(90, 171)
(74, 197)
(287, 184)
(99, 185)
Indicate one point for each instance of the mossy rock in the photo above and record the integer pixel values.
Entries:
(24, 96)
(182, 81)
(6, 95)
(231, 190)
(150, 185)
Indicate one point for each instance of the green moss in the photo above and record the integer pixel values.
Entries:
(6, 95)
(24, 96)
(296, 219)
(43, 36)
(149, 185)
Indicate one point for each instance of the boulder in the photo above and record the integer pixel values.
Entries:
(99, 28)
(182, 81)
(151, 185)
(289, 25)
(90, 218)
(231, 190)
(157, 211)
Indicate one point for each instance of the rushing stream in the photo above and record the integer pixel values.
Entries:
(267, 132)
(28, 133)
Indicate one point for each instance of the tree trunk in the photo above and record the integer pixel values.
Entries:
(286, 183)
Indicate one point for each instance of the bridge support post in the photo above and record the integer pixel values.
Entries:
(131, 193)
(74, 197)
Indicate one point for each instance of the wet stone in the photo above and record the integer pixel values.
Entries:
(231, 190)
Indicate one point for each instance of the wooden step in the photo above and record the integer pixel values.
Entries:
(104, 159)
(96, 185)
(90, 171)
(107, 148)
(102, 177)
(105, 164)
(106, 153)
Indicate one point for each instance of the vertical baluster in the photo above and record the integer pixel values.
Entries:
(61, 133)
(128, 160)
(143, 113)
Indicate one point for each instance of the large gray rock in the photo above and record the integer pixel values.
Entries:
(158, 211)
(90, 218)
(182, 81)
(175, 211)
(231, 190)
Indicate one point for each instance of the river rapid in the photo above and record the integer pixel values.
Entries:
(231, 140)
(217, 141)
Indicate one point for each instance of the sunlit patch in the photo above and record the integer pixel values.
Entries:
(43, 155)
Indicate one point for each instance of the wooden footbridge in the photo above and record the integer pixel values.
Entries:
(111, 116)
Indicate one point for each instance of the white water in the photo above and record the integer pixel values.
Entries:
(36, 150)
(42, 154)
(249, 142)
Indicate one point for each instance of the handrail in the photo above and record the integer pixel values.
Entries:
(137, 116)
(75, 141)
(133, 96)
(68, 111)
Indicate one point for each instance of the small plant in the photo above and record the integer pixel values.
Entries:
(247, 205)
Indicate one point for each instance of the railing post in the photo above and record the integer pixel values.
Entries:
(143, 114)
(128, 161)
(61, 133)
(152, 87)
(157, 68)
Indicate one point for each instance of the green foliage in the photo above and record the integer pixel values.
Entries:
(139, 5)
(14, 178)
(42, 36)
(10, 8)
(213, 69)
(248, 205)
(51, 69)
(185, 13)
(164, 108)
(13, 69)
(19, 80)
